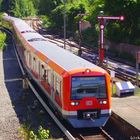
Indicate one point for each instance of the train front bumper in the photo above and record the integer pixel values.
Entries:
(80, 123)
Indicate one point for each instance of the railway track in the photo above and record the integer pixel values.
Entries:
(99, 134)
(67, 133)
(88, 55)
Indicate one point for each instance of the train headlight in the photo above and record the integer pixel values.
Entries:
(74, 103)
(103, 102)
(87, 70)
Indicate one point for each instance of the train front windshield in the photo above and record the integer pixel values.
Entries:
(88, 87)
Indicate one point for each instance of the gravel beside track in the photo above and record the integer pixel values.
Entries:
(8, 118)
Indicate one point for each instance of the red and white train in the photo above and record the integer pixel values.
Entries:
(77, 89)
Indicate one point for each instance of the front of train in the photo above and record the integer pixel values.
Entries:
(88, 98)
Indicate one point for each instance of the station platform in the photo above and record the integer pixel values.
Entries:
(128, 108)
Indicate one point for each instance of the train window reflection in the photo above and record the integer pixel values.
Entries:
(88, 87)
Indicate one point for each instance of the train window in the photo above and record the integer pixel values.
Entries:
(39, 69)
(28, 31)
(57, 84)
(26, 56)
(37, 66)
(30, 60)
(88, 87)
(34, 64)
(43, 73)
(36, 39)
(49, 75)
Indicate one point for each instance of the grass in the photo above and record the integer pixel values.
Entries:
(137, 91)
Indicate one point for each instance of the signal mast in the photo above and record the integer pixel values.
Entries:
(102, 20)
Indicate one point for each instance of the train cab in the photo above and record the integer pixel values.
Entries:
(87, 98)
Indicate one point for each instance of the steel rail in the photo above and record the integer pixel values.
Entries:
(106, 134)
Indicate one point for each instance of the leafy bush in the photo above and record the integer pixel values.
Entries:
(2, 40)
(127, 56)
(47, 22)
(42, 134)
(90, 37)
(26, 134)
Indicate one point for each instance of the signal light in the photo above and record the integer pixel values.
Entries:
(101, 27)
(121, 17)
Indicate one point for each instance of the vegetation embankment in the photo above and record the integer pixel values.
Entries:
(2, 37)
(27, 134)
(52, 14)
(2, 40)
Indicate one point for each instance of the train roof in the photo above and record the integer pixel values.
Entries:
(65, 59)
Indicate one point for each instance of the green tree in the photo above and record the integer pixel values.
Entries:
(46, 6)
(24, 8)
(128, 30)
(7, 6)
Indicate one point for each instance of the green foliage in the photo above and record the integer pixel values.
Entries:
(57, 16)
(24, 8)
(72, 15)
(90, 37)
(2, 40)
(124, 55)
(46, 6)
(7, 6)
(23, 132)
(27, 134)
(47, 22)
(127, 56)
(128, 31)
(0, 18)
(18, 8)
(0, 4)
